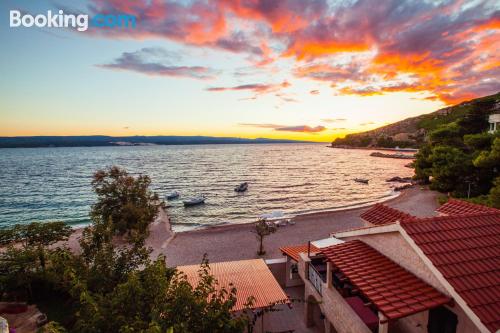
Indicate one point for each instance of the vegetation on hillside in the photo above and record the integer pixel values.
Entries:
(460, 157)
(413, 132)
(107, 287)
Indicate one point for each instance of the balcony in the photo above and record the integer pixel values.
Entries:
(317, 274)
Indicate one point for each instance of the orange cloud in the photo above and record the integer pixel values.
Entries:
(449, 50)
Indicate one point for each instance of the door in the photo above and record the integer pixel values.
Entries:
(442, 320)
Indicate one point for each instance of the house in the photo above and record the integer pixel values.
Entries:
(270, 309)
(381, 214)
(494, 120)
(436, 274)
(460, 207)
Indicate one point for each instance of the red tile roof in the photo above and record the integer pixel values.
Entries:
(382, 214)
(466, 250)
(460, 207)
(393, 290)
(293, 251)
(251, 278)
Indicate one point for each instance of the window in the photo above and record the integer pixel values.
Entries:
(442, 320)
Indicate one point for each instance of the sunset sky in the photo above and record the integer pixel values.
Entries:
(295, 69)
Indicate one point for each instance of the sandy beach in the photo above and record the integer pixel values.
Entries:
(235, 242)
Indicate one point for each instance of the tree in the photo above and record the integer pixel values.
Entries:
(489, 158)
(21, 265)
(52, 327)
(451, 167)
(124, 200)
(37, 236)
(423, 164)
(494, 196)
(263, 229)
(106, 281)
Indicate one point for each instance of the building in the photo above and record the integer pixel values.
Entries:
(454, 207)
(254, 280)
(438, 274)
(494, 120)
(380, 214)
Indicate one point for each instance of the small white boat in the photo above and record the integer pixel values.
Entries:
(173, 195)
(361, 180)
(242, 187)
(194, 201)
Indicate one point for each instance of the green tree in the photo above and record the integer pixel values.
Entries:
(17, 270)
(124, 200)
(52, 327)
(494, 196)
(37, 236)
(489, 158)
(262, 229)
(479, 141)
(451, 168)
(448, 135)
(21, 265)
(423, 163)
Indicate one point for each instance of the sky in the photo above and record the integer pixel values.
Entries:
(294, 69)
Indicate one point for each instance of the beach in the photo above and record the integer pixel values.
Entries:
(236, 241)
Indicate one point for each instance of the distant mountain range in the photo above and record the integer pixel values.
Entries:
(102, 140)
(411, 132)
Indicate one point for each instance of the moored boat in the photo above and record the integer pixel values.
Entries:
(173, 195)
(242, 187)
(194, 201)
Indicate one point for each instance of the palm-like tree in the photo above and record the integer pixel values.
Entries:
(263, 229)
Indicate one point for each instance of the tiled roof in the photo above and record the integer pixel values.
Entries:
(460, 207)
(251, 278)
(393, 290)
(382, 214)
(293, 251)
(466, 250)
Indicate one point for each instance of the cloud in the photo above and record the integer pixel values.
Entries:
(273, 126)
(257, 88)
(367, 123)
(446, 50)
(156, 61)
(284, 128)
(302, 128)
(333, 120)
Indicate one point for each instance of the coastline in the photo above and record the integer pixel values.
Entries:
(236, 241)
(410, 150)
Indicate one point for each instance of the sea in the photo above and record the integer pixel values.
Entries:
(54, 184)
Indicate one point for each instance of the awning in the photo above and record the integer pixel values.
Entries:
(251, 278)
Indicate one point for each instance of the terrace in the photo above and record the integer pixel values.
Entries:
(361, 290)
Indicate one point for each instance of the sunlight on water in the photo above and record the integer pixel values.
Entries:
(46, 184)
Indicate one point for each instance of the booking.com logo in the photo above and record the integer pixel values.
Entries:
(79, 22)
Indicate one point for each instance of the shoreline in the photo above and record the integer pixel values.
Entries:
(298, 216)
(237, 241)
(354, 206)
(408, 150)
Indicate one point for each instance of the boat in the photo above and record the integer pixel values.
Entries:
(194, 201)
(173, 195)
(242, 187)
(361, 180)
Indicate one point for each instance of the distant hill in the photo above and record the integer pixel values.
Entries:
(411, 132)
(101, 140)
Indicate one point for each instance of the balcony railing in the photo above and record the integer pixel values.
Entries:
(315, 278)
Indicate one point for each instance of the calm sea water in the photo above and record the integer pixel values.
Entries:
(47, 184)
